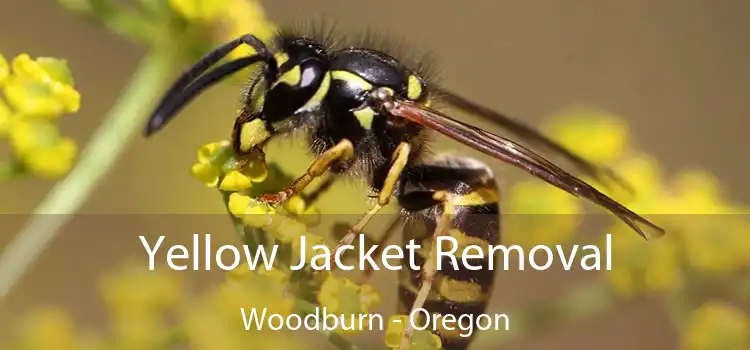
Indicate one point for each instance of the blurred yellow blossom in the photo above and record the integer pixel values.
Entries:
(38, 143)
(38, 91)
(233, 18)
(640, 266)
(41, 88)
(714, 235)
(242, 17)
(342, 296)
(720, 244)
(4, 69)
(597, 136)
(215, 162)
(48, 329)
(6, 116)
(212, 322)
(538, 213)
(717, 325)
(137, 286)
(199, 10)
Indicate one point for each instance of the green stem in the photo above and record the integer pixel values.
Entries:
(96, 161)
(11, 169)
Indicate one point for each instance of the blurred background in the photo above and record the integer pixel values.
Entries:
(674, 71)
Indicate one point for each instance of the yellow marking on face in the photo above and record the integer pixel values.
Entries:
(365, 117)
(479, 197)
(281, 58)
(351, 78)
(320, 94)
(414, 88)
(252, 134)
(291, 77)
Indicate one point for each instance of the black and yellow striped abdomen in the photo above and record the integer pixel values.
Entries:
(456, 290)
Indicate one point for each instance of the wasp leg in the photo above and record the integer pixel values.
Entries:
(429, 268)
(398, 163)
(319, 191)
(341, 152)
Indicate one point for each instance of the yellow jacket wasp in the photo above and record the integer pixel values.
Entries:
(367, 114)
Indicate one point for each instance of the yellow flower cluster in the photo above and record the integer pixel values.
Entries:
(215, 162)
(342, 296)
(36, 93)
(704, 231)
(216, 167)
(138, 301)
(538, 213)
(234, 17)
(717, 325)
(212, 322)
(151, 310)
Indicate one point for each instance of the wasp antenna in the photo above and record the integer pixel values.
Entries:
(186, 87)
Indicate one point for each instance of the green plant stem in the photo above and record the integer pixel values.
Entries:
(10, 169)
(99, 157)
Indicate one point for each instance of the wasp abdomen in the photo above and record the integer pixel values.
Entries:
(462, 285)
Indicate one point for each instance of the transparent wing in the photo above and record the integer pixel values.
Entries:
(519, 156)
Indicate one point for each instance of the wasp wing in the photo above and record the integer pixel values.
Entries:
(519, 156)
(529, 134)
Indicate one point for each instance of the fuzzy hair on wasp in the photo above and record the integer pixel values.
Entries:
(368, 114)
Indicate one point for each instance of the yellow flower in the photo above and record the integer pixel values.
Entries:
(278, 276)
(206, 173)
(295, 205)
(199, 10)
(540, 214)
(38, 144)
(48, 329)
(640, 266)
(287, 230)
(717, 325)
(210, 150)
(235, 181)
(52, 161)
(41, 88)
(137, 300)
(212, 322)
(421, 340)
(252, 212)
(720, 244)
(597, 136)
(342, 296)
(244, 17)
(6, 117)
(311, 240)
(4, 69)
(215, 161)
(715, 238)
